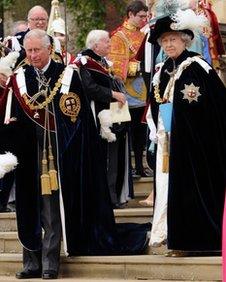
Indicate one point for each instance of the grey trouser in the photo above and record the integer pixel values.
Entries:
(48, 257)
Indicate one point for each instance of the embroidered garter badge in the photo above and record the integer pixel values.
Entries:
(191, 92)
(70, 105)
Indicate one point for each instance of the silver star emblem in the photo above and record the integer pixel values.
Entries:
(191, 92)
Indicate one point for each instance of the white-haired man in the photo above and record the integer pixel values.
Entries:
(30, 128)
(101, 89)
(37, 18)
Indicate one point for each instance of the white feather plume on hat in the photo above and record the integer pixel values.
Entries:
(188, 19)
(8, 162)
(166, 7)
(8, 62)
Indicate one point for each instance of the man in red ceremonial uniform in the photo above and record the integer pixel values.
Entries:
(216, 46)
(125, 43)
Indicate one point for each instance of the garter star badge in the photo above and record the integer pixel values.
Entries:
(70, 105)
(191, 92)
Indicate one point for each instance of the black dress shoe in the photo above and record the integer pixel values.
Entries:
(135, 174)
(119, 205)
(5, 209)
(26, 274)
(146, 172)
(50, 274)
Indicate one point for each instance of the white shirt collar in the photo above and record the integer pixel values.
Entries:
(46, 66)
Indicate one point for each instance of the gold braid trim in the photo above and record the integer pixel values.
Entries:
(158, 99)
(47, 100)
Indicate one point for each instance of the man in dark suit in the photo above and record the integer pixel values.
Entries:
(101, 90)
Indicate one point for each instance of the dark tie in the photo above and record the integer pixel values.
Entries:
(42, 81)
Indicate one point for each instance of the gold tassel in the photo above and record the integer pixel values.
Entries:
(52, 171)
(165, 160)
(45, 179)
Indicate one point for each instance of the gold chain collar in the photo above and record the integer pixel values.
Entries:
(47, 100)
(180, 69)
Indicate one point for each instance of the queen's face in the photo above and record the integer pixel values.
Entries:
(172, 43)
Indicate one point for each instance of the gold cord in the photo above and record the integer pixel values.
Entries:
(47, 100)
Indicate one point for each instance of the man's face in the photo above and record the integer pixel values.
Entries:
(37, 54)
(139, 19)
(38, 19)
(102, 48)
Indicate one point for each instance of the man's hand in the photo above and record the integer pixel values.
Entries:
(120, 97)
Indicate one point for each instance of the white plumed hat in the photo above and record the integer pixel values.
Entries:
(188, 19)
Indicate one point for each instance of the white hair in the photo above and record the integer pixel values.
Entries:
(94, 37)
(34, 9)
(40, 34)
(184, 36)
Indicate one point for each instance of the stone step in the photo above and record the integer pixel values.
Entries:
(139, 215)
(13, 279)
(134, 203)
(9, 242)
(8, 221)
(143, 185)
(143, 267)
(142, 188)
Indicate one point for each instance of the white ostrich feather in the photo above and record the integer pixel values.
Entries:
(8, 162)
(8, 62)
(166, 7)
(105, 123)
(188, 19)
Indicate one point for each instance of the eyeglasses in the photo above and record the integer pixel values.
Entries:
(36, 20)
(141, 16)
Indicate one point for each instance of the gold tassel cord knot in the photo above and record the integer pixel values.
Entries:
(45, 178)
(165, 161)
(52, 171)
(49, 181)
